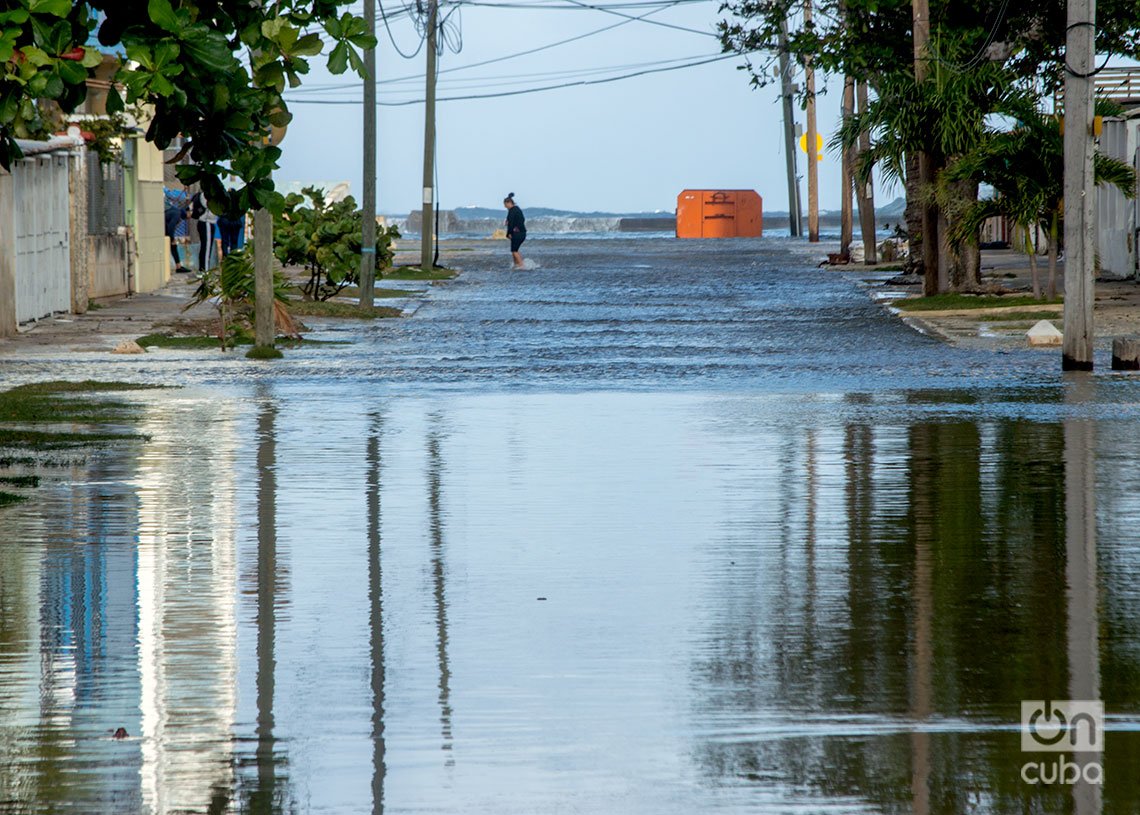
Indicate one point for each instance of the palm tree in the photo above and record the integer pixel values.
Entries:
(1025, 166)
(944, 116)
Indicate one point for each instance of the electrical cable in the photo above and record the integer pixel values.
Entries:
(481, 63)
(1065, 61)
(590, 7)
(541, 89)
(392, 37)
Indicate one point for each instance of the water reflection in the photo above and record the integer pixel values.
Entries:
(752, 604)
(970, 574)
(188, 516)
(1081, 590)
(438, 569)
(376, 614)
(266, 798)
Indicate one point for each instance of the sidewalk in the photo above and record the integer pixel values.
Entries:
(106, 325)
(1116, 310)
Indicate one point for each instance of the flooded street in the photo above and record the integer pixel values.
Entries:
(659, 527)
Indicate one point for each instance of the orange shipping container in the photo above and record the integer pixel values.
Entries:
(720, 214)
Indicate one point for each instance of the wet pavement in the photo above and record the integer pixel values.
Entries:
(659, 527)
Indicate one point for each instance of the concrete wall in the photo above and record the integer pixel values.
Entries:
(108, 266)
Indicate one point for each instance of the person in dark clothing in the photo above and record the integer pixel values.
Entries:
(516, 228)
(230, 229)
(173, 216)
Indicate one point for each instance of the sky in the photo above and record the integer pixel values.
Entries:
(626, 146)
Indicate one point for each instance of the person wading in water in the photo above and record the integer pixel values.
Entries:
(516, 228)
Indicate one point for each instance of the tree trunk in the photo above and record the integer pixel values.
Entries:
(845, 222)
(1052, 291)
(913, 216)
(963, 261)
(1033, 265)
(864, 193)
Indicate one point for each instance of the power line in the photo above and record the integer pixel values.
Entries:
(608, 9)
(528, 52)
(541, 89)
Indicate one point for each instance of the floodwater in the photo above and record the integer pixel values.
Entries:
(659, 527)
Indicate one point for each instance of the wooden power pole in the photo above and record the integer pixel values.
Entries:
(1077, 349)
(427, 259)
(795, 211)
(846, 229)
(812, 138)
(368, 199)
(930, 262)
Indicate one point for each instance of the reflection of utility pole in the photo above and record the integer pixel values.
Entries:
(1080, 247)
(264, 328)
(812, 137)
(435, 503)
(795, 226)
(261, 801)
(368, 202)
(376, 619)
(1081, 575)
(426, 259)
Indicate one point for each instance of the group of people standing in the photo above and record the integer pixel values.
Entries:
(218, 235)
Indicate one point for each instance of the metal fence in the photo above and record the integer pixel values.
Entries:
(106, 209)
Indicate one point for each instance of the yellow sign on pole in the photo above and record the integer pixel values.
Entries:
(818, 145)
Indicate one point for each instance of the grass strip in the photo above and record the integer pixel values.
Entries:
(353, 292)
(329, 308)
(954, 302)
(1014, 316)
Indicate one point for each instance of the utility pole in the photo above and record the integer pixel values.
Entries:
(795, 213)
(427, 261)
(846, 228)
(865, 193)
(264, 327)
(1077, 350)
(930, 271)
(368, 202)
(812, 138)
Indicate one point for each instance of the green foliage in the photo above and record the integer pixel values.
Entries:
(1025, 166)
(231, 287)
(186, 59)
(325, 239)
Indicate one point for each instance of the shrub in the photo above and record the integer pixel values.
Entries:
(325, 239)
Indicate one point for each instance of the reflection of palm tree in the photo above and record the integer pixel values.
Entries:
(376, 618)
(435, 468)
